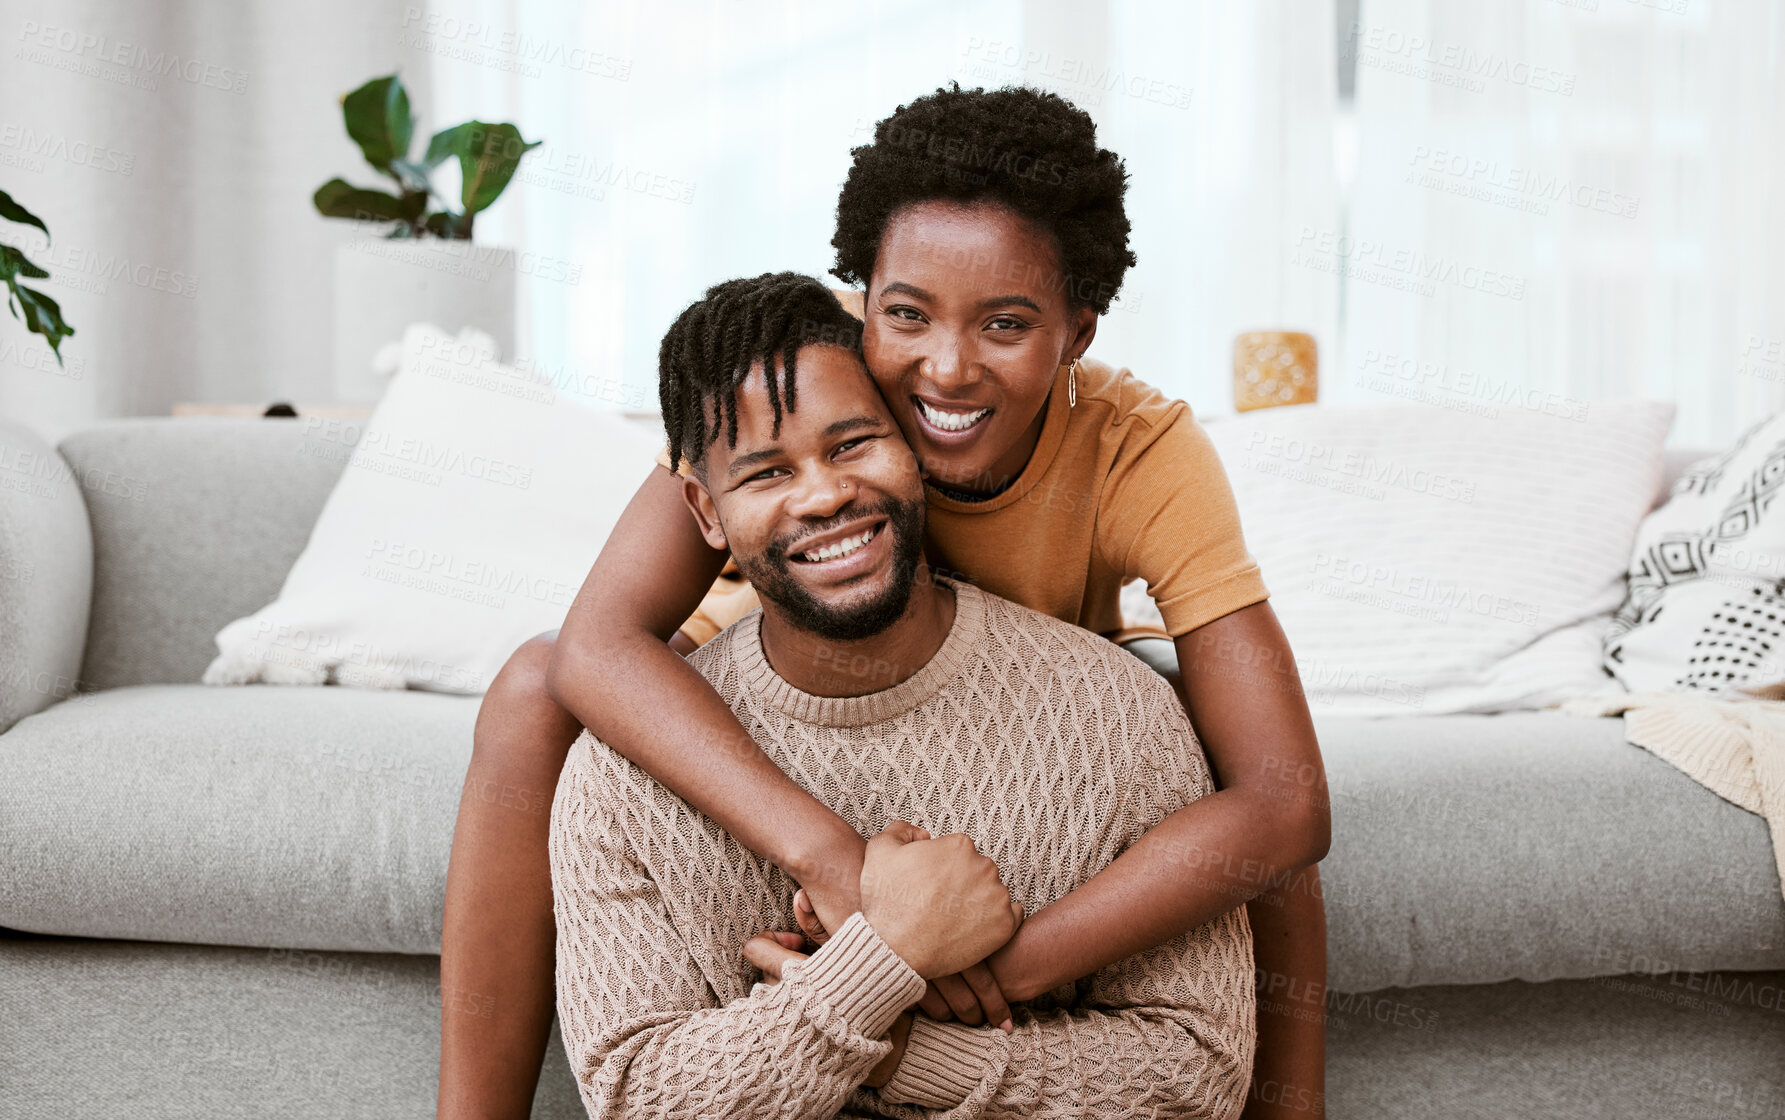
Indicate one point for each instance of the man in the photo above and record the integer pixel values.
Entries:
(1000, 758)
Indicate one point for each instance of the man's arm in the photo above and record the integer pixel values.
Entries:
(1164, 1033)
(644, 1032)
(1113, 1050)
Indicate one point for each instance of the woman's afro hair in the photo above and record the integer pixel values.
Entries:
(1031, 151)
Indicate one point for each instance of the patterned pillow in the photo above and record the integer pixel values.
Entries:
(1705, 608)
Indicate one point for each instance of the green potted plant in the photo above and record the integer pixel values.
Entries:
(40, 314)
(425, 268)
(379, 120)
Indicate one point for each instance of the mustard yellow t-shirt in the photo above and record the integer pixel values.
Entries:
(1123, 485)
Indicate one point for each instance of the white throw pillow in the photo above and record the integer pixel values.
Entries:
(1427, 561)
(1706, 603)
(473, 502)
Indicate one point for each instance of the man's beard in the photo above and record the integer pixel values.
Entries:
(771, 574)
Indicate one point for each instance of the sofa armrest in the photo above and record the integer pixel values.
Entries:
(46, 574)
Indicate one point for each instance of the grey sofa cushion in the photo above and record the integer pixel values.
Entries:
(313, 818)
(137, 1031)
(195, 523)
(1466, 849)
(46, 575)
(171, 1032)
(1533, 846)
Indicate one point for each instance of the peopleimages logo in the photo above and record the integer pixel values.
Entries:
(1432, 382)
(469, 579)
(1453, 64)
(89, 270)
(965, 152)
(138, 65)
(989, 57)
(28, 472)
(431, 458)
(41, 359)
(1518, 188)
(1366, 582)
(1364, 258)
(35, 147)
(1763, 358)
(508, 49)
(591, 177)
(1363, 467)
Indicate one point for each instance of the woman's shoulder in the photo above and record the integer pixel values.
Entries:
(1127, 419)
(1128, 400)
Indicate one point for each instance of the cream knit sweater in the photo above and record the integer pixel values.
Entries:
(1049, 746)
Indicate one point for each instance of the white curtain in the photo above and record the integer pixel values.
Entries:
(1528, 205)
(690, 143)
(1561, 202)
(684, 144)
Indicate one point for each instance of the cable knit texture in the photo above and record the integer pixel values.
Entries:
(1049, 746)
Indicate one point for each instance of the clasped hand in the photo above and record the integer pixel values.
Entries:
(939, 904)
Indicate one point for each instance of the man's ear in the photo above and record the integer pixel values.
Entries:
(706, 514)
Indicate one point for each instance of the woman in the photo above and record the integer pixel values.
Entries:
(988, 231)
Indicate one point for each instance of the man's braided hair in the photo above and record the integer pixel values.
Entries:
(712, 347)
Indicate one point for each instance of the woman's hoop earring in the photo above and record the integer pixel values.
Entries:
(1072, 384)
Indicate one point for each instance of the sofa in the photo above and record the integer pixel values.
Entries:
(226, 902)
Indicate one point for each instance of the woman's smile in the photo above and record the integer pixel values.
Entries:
(952, 426)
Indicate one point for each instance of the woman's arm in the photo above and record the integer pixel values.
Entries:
(1245, 699)
(613, 669)
(1268, 820)
(1254, 840)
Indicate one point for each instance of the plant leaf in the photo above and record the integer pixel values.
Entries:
(13, 212)
(338, 198)
(441, 147)
(412, 175)
(488, 156)
(42, 316)
(442, 224)
(14, 263)
(378, 119)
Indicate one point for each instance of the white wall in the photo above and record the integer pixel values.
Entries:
(186, 253)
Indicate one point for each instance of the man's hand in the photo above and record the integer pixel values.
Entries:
(971, 995)
(772, 950)
(937, 903)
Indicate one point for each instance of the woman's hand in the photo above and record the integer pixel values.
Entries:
(883, 1069)
(772, 950)
(970, 995)
(836, 894)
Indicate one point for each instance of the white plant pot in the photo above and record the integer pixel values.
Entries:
(382, 286)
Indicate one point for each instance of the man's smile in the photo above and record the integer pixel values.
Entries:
(846, 552)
